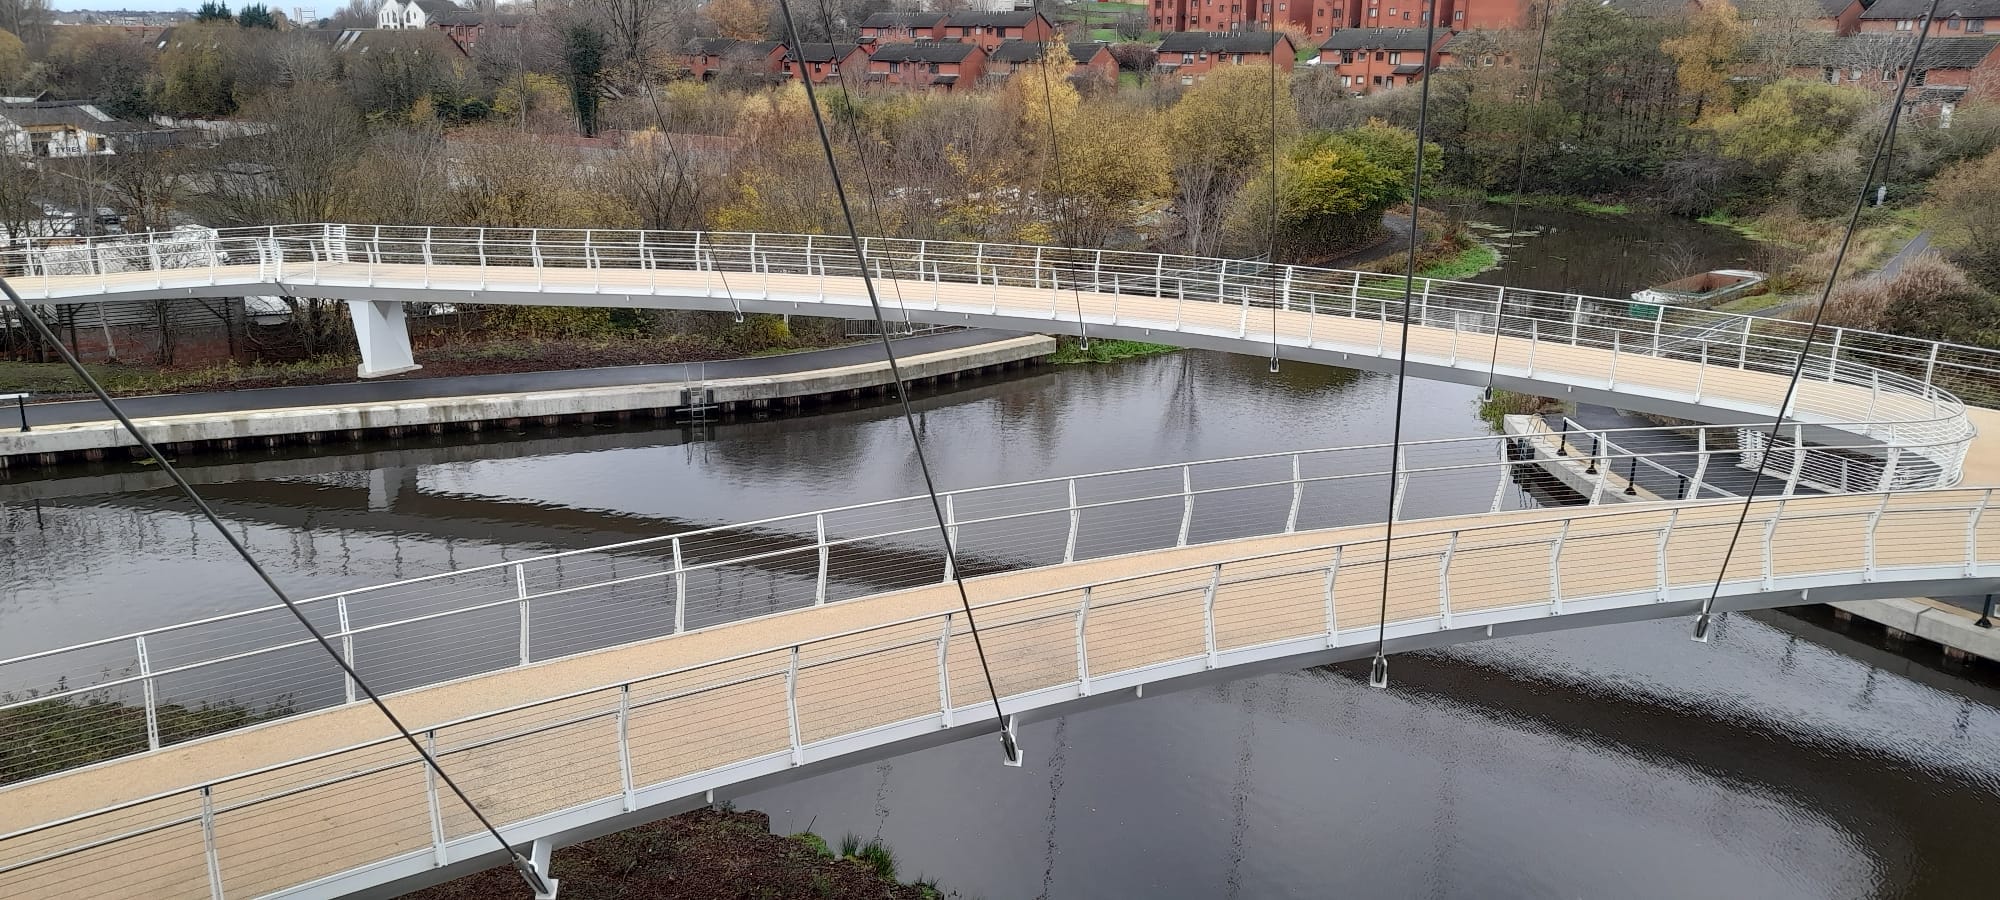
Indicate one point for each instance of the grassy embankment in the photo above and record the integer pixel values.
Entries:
(708, 854)
(1070, 352)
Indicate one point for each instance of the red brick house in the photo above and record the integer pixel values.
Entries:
(902, 27)
(947, 65)
(1954, 17)
(825, 61)
(988, 30)
(1188, 55)
(1952, 69)
(466, 26)
(1372, 59)
(1208, 15)
(708, 57)
(1093, 60)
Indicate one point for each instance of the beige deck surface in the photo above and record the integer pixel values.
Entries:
(686, 723)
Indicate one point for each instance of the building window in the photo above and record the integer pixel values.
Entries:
(1951, 24)
(1975, 26)
(1395, 58)
(1187, 58)
(1458, 15)
(1903, 24)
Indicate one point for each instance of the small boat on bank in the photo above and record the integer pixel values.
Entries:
(1704, 291)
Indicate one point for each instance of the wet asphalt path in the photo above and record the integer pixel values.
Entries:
(403, 389)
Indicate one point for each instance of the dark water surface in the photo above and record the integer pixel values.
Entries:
(1781, 760)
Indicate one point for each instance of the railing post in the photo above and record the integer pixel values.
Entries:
(521, 595)
(1660, 563)
(1798, 460)
(680, 590)
(1930, 365)
(1972, 533)
(792, 707)
(1868, 545)
(208, 847)
(1285, 297)
(625, 746)
(1700, 460)
(1187, 505)
(1555, 570)
(1889, 469)
(1208, 613)
(146, 686)
(1444, 582)
(1701, 374)
(944, 672)
(819, 532)
(1833, 355)
(951, 536)
(1402, 483)
(1770, 532)
(1534, 337)
(1075, 518)
(1298, 494)
(1082, 652)
(431, 795)
(346, 645)
(1332, 575)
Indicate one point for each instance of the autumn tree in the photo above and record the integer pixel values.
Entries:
(744, 20)
(13, 59)
(28, 20)
(1706, 54)
(1220, 133)
(102, 64)
(1095, 172)
(1788, 120)
(1967, 219)
(1333, 188)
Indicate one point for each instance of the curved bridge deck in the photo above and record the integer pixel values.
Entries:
(559, 745)
(327, 803)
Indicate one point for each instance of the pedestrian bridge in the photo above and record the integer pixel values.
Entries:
(581, 692)
(1694, 364)
(578, 693)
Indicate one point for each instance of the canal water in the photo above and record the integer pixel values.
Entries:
(1782, 759)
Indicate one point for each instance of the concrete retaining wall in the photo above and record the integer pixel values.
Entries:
(93, 440)
(1952, 629)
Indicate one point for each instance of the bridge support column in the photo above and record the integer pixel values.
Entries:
(538, 860)
(384, 338)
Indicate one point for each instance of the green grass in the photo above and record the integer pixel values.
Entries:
(1469, 262)
(1741, 226)
(1070, 352)
(1559, 201)
(1750, 304)
(813, 842)
(130, 380)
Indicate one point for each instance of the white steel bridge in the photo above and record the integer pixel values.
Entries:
(580, 692)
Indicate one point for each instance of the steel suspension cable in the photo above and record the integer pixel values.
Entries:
(1064, 233)
(536, 880)
(1703, 620)
(1520, 185)
(1271, 248)
(1378, 671)
(1012, 751)
(860, 155)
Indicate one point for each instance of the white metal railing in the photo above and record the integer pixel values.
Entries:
(1906, 381)
(425, 630)
(640, 742)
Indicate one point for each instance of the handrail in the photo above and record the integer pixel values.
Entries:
(1612, 526)
(806, 537)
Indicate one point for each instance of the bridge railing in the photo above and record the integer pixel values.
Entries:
(737, 263)
(591, 754)
(160, 687)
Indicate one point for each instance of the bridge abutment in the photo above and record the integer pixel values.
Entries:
(384, 337)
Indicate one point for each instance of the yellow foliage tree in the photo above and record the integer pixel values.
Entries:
(744, 20)
(1706, 54)
(13, 58)
(1095, 173)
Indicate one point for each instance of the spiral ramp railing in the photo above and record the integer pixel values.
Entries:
(526, 680)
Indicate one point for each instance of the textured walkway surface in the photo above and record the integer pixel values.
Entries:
(367, 804)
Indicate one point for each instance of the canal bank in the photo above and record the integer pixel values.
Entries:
(193, 423)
